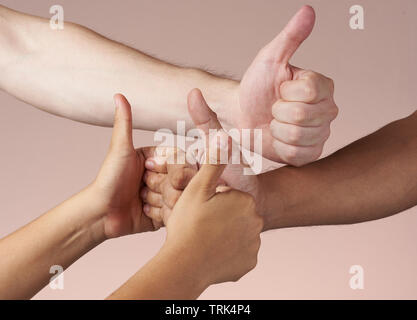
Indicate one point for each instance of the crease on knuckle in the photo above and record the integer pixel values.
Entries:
(151, 181)
(300, 115)
(295, 134)
(172, 199)
(311, 90)
(293, 156)
(334, 112)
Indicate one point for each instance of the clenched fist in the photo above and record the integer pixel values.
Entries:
(292, 107)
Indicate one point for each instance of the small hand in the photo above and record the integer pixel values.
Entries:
(166, 180)
(218, 231)
(120, 178)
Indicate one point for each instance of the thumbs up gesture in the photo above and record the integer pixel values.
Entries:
(165, 179)
(218, 233)
(292, 107)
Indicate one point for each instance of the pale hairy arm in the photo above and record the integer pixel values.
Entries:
(74, 73)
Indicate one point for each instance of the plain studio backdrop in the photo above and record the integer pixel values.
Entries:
(45, 159)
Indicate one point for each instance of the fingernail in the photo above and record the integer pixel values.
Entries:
(146, 208)
(149, 164)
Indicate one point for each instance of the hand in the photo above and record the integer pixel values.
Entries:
(293, 107)
(212, 237)
(117, 185)
(165, 179)
(203, 219)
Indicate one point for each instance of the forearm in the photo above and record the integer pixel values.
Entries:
(59, 237)
(171, 274)
(372, 178)
(75, 72)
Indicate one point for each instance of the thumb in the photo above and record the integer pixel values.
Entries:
(217, 145)
(210, 128)
(201, 114)
(206, 180)
(122, 128)
(294, 33)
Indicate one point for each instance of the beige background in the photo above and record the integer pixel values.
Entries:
(45, 159)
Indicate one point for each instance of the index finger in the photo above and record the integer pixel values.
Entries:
(309, 87)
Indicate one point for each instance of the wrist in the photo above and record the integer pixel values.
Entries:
(190, 265)
(272, 201)
(168, 275)
(222, 96)
(94, 211)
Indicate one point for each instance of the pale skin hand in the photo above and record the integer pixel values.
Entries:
(301, 101)
(162, 191)
(201, 221)
(120, 178)
(37, 66)
(109, 207)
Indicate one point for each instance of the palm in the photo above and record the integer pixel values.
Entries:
(124, 205)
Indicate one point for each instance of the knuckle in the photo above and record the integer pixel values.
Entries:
(273, 125)
(292, 156)
(172, 200)
(149, 197)
(316, 153)
(295, 134)
(276, 109)
(178, 179)
(152, 181)
(331, 85)
(311, 90)
(334, 112)
(155, 214)
(310, 74)
(300, 115)
(146, 178)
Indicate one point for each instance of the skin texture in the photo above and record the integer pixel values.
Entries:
(280, 99)
(107, 208)
(111, 207)
(195, 235)
(301, 101)
(165, 179)
(370, 179)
